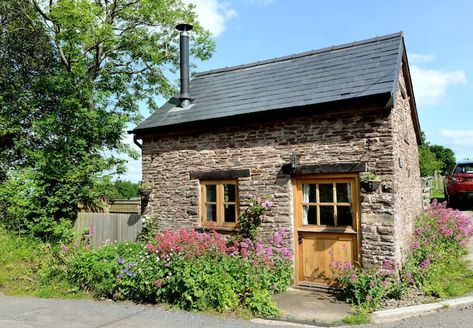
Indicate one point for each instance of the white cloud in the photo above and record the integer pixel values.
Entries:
(213, 14)
(260, 2)
(430, 85)
(421, 58)
(458, 137)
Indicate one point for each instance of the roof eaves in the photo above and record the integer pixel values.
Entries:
(380, 98)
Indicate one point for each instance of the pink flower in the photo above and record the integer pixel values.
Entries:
(369, 298)
(267, 204)
(64, 248)
(269, 251)
(348, 266)
(425, 263)
(354, 277)
(158, 283)
(277, 238)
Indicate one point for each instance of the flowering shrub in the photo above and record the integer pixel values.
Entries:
(366, 288)
(190, 269)
(251, 217)
(435, 263)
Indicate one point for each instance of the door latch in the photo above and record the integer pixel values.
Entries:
(299, 238)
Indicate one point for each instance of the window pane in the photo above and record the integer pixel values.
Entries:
(229, 192)
(211, 212)
(344, 192)
(326, 215)
(309, 215)
(211, 195)
(308, 193)
(230, 215)
(326, 192)
(344, 216)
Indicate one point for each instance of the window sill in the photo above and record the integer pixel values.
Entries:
(219, 228)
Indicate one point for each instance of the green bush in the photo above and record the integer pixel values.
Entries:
(187, 269)
(435, 263)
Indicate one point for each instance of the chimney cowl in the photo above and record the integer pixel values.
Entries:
(185, 97)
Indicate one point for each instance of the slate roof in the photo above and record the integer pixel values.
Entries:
(362, 68)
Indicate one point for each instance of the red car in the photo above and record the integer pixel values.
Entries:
(459, 184)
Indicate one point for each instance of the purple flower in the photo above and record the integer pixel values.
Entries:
(130, 265)
(354, 277)
(120, 260)
(425, 263)
(348, 266)
(277, 238)
(385, 284)
(267, 204)
(259, 248)
(64, 248)
(285, 253)
(131, 274)
(269, 251)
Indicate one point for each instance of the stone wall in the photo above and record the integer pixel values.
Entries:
(264, 147)
(408, 202)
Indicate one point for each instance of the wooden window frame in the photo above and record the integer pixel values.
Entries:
(327, 179)
(220, 203)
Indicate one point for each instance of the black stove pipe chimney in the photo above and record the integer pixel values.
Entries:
(185, 96)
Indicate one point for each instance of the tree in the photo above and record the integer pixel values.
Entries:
(123, 190)
(434, 157)
(428, 164)
(87, 66)
(446, 156)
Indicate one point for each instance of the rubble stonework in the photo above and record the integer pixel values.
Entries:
(378, 138)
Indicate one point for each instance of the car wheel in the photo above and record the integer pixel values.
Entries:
(451, 201)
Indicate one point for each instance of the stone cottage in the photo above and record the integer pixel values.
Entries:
(300, 129)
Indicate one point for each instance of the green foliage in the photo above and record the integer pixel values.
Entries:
(367, 288)
(68, 93)
(446, 156)
(123, 190)
(361, 318)
(428, 163)
(20, 259)
(434, 157)
(250, 218)
(149, 229)
(190, 270)
(23, 261)
(435, 263)
(369, 176)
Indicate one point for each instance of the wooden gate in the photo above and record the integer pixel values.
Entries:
(326, 217)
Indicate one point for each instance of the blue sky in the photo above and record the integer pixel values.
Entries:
(438, 36)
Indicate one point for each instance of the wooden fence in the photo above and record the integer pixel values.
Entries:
(109, 227)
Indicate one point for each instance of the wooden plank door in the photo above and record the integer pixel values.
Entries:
(326, 221)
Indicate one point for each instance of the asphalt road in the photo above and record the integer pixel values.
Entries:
(26, 312)
(451, 318)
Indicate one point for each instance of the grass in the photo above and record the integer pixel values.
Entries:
(450, 277)
(361, 318)
(22, 260)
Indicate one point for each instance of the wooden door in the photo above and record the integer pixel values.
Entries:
(327, 225)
